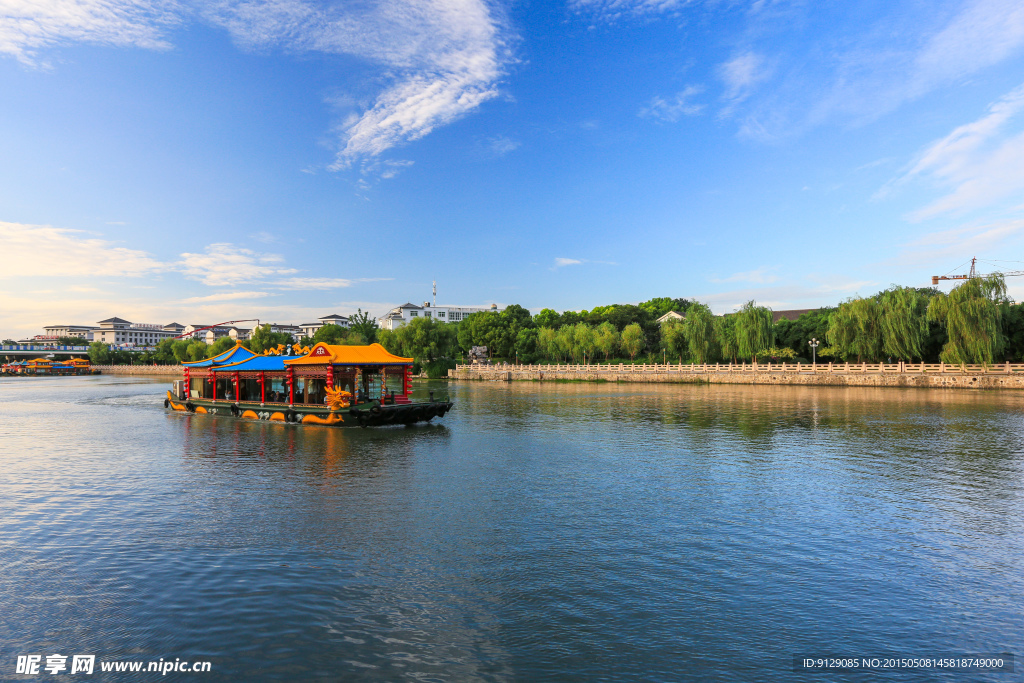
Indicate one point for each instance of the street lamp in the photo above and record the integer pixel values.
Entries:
(814, 350)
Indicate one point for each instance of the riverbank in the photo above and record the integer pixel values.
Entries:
(169, 370)
(939, 375)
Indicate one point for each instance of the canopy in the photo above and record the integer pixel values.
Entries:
(374, 354)
(236, 354)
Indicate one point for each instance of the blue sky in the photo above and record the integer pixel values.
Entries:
(285, 159)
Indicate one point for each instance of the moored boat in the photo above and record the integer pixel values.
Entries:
(342, 386)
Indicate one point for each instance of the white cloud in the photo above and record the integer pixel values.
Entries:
(609, 10)
(439, 59)
(443, 58)
(950, 246)
(741, 73)
(310, 283)
(761, 275)
(29, 25)
(674, 108)
(984, 33)
(224, 265)
(225, 296)
(33, 250)
(562, 262)
(980, 164)
(502, 145)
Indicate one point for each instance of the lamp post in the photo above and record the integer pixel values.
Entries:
(814, 350)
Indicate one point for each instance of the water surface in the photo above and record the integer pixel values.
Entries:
(538, 532)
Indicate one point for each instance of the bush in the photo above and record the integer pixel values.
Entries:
(439, 368)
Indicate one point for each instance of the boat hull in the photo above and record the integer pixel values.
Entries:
(371, 414)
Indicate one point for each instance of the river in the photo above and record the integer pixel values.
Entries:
(569, 532)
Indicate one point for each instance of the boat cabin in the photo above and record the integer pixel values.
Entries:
(369, 373)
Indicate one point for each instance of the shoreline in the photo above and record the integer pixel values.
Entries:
(1004, 376)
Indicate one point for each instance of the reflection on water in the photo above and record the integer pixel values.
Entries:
(540, 531)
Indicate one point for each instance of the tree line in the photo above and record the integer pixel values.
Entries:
(976, 322)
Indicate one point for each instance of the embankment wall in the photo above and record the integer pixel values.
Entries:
(169, 370)
(991, 378)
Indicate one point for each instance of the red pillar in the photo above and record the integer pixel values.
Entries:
(237, 382)
(263, 387)
(213, 382)
(291, 385)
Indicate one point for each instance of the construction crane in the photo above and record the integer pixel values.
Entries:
(210, 327)
(974, 273)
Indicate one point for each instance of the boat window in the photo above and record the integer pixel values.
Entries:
(276, 391)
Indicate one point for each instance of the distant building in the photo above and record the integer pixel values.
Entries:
(82, 331)
(212, 334)
(791, 315)
(446, 314)
(309, 329)
(119, 332)
(294, 330)
(671, 315)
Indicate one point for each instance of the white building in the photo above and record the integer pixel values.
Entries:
(309, 329)
(445, 314)
(82, 331)
(212, 334)
(120, 332)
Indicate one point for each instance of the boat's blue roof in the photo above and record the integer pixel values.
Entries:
(235, 354)
(255, 364)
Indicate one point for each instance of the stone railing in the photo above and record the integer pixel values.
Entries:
(692, 368)
(1007, 375)
(175, 370)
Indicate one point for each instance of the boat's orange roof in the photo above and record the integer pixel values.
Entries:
(347, 355)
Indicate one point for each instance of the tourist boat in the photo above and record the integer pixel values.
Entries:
(46, 366)
(343, 386)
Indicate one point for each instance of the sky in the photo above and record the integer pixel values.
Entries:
(197, 162)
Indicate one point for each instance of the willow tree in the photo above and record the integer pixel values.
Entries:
(754, 330)
(583, 340)
(673, 338)
(903, 322)
(699, 327)
(855, 329)
(972, 317)
(725, 337)
(606, 337)
(632, 340)
(564, 339)
(547, 342)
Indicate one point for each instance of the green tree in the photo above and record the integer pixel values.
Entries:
(699, 328)
(547, 342)
(754, 330)
(262, 339)
(633, 339)
(972, 316)
(330, 334)
(526, 349)
(673, 339)
(196, 350)
(583, 340)
(99, 353)
(547, 318)
(220, 346)
(606, 337)
(903, 321)
(725, 338)
(364, 325)
(855, 329)
(795, 334)
(565, 341)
